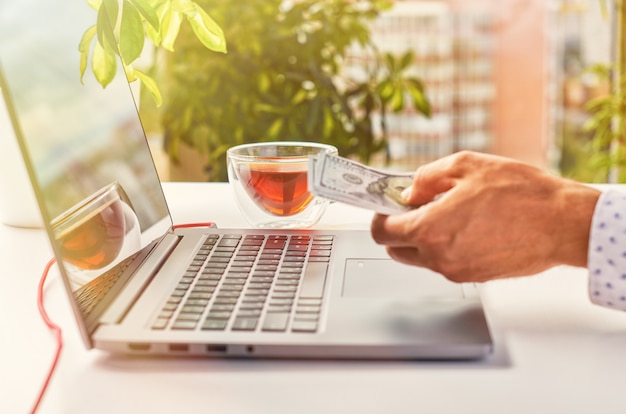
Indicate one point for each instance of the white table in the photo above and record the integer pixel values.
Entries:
(554, 351)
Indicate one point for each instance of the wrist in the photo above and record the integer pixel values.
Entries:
(574, 214)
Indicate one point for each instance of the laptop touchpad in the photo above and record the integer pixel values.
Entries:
(386, 278)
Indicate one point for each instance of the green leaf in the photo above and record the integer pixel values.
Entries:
(596, 103)
(83, 48)
(151, 86)
(420, 101)
(103, 64)
(299, 97)
(272, 109)
(264, 82)
(94, 4)
(406, 60)
(132, 37)
(147, 12)
(170, 28)
(183, 6)
(329, 122)
(397, 101)
(208, 32)
(275, 128)
(107, 17)
(386, 90)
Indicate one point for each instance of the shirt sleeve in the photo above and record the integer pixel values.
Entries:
(607, 251)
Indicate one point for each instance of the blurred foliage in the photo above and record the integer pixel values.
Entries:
(283, 78)
(122, 27)
(607, 148)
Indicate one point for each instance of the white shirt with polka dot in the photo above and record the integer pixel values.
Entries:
(607, 251)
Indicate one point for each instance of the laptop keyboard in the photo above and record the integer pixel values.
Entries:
(270, 283)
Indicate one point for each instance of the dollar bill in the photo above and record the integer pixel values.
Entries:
(347, 181)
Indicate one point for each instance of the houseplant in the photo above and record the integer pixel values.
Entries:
(284, 78)
(608, 113)
(158, 20)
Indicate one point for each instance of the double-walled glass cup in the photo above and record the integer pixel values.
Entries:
(270, 183)
(97, 233)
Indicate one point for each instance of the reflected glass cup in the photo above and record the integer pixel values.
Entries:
(97, 233)
(270, 183)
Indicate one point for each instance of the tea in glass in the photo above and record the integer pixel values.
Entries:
(97, 233)
(282, 191)
(270, 182)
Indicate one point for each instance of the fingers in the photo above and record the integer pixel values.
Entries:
(390, 231)
(407, 255)
(437, 177)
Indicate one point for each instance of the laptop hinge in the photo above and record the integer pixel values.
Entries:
(140, 280)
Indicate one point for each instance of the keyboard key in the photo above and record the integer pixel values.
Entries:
(197, 302)
(251, 306)
(200, 295)
(310, 301)
(217, 314)
(313, 280)
(304, 326)
(192, 309)
(160, 323)
(306, 316)
(224, 300)
(188, 317)
(228, 242)
(170, 306)
(275, 322)
(214, 324)
(279, 308)
(319, 253)
(281, 302)
(284, 295)
(308, 309)
(251, 313)
(226, 307)
(183, 324)
(245, 324)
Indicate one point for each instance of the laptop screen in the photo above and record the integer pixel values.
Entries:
(93, 173)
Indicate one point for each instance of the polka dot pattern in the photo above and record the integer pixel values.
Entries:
(607, 251)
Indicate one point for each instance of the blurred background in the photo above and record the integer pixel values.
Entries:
(394, 84)
(509, 77)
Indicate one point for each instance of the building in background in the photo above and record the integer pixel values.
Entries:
(454, 58)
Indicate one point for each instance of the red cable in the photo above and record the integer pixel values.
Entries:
(189, 225)
(56, 329)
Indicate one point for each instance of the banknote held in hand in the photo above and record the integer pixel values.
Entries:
(347, 181)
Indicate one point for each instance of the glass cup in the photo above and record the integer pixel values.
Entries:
(270, 183)
(97, 233)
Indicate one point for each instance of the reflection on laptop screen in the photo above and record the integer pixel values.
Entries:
(95, 179)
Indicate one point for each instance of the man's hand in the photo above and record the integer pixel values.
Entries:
(484, 217)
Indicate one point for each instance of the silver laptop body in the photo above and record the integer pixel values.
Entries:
(203, 291)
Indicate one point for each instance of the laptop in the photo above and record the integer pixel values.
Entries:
(139, 285)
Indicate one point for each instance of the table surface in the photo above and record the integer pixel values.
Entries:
(555, 352)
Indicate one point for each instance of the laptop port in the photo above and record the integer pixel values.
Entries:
(179, 347)
(138, 346)
(216, 348)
